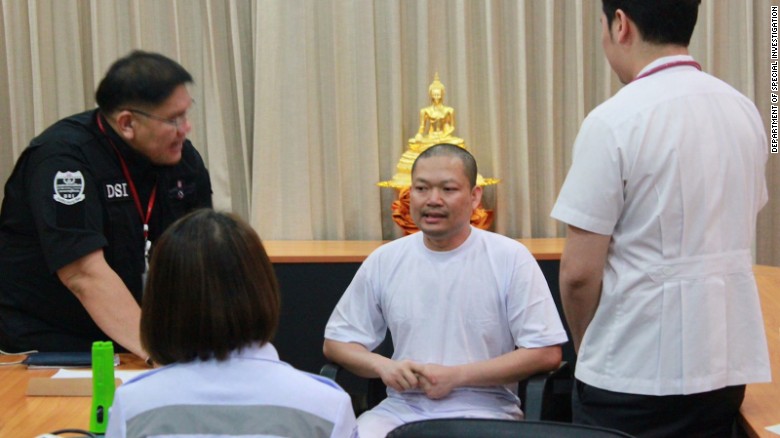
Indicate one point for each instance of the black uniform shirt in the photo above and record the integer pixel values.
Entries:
(67, 197)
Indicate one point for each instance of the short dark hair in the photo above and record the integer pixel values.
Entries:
(211, 290)
(451, 150)
(659, 21)
(140, 78)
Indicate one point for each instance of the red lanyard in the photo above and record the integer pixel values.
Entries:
(133, 191)
(665, 66)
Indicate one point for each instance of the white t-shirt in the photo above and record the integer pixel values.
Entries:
(672, 167)
(474, 303)
(251, 394)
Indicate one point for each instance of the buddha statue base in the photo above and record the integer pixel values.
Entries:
(420, 143)
(403, 175)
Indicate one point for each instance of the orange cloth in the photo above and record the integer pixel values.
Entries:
(481, 218)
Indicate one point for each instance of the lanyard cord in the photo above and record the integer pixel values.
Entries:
(133, 191)
(666, 66)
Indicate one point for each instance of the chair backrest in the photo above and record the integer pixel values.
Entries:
(486, 428)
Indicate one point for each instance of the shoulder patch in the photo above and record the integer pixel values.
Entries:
(69, 187)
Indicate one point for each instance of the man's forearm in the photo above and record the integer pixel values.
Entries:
(581, 272)
(107, 300)
(117, 314)
(511, 367)
(438, 381)
(399, 375)
(354, 357)
(579, 306)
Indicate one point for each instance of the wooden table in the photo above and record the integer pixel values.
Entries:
(761, 407)
(26, 417)
(355, 251)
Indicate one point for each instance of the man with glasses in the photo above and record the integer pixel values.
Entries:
(84, 204)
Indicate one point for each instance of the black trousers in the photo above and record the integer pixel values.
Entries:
(706, 414)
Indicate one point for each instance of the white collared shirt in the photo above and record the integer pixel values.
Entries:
(672, 167)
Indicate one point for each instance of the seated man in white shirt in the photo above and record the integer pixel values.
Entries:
(469, 311)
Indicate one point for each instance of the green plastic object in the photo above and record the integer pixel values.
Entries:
(102, 385)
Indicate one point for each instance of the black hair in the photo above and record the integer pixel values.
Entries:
(446, 149)
(659, 21)
(211, 290)
(140, 78)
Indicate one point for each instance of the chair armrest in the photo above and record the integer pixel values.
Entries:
(548, 395)
(331, 371)
(365, 393)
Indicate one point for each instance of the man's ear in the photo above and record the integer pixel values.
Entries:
(623, 28)
(124, 125)
(476, 196)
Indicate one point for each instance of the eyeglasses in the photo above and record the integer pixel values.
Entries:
(176, 122)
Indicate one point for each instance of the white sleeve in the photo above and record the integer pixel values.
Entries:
(358, 316)
(592, 197)
(531, 312)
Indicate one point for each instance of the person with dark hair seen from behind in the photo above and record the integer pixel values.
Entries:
(661, 200)
(210, 310)
(469, 311)
(84, 203)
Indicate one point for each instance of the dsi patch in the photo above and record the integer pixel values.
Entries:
(69, 187)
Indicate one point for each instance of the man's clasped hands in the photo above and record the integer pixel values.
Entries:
(436, 381)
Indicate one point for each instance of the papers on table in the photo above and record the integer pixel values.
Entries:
(123, 375)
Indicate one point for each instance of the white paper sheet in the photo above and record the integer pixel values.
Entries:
(774, 429)
(123, 375)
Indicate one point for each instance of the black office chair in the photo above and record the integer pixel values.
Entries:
(484, 428)
(543, 396)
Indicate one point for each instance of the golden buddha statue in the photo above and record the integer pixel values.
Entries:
(439, 120)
